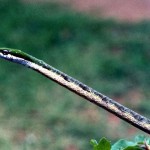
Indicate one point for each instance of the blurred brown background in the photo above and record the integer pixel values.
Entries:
(123, 10)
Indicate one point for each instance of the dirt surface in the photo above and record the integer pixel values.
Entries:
(124, 10)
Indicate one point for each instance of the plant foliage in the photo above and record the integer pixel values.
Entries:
(139, 143)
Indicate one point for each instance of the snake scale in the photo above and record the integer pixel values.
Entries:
(77, 87)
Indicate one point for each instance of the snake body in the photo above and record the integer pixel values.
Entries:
(77, 87)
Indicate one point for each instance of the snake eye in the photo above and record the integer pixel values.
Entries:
(5, 52)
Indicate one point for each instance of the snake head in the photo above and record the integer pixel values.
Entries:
(9, 53)
(5, 51)
(15, 54)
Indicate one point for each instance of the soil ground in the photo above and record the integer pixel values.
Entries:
(122, 10)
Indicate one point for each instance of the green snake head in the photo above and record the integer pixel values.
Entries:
(18, 56)
(7, 52)
(15, 55)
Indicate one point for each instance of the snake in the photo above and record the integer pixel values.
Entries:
(81, 89)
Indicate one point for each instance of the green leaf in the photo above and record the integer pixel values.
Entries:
(121, 144)
(93, 142)
(104, 144)
(133, 148)
(137, 144)
(139, 138)
(148, 141)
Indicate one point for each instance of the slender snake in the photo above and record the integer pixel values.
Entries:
(77, 87)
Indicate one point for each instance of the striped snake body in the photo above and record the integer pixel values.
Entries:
(77, 87)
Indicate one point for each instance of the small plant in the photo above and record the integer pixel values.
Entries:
(139, 143)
